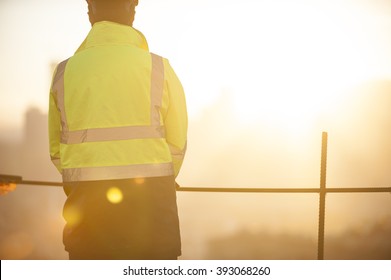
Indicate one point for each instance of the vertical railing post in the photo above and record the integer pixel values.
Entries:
(322, 197)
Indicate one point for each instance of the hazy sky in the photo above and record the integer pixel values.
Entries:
(283, 62)
(258, 51)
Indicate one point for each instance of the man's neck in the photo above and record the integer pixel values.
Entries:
(125, 20)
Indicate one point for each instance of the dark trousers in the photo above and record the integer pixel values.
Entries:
(122, 219)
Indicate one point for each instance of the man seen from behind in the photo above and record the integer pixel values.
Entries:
(117, 129)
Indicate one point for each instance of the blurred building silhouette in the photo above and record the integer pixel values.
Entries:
(30, 217)
(35, 145)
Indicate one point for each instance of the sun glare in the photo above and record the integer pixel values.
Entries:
(302, 63)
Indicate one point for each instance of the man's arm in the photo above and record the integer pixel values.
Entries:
(176, 121)
(54, 129)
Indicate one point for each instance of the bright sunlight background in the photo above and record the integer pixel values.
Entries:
(286, 61)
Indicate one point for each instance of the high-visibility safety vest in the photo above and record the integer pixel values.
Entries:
(116, 111)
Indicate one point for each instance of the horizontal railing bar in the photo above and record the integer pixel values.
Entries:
(41, 183)
(249, 190)
(358, 190)
(19, 180)
(285, 190)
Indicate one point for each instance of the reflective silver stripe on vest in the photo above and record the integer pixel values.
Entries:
(112, 134)
(58, 89)
(117, 172)
(176, 152)
(157, 86)
(156, 130)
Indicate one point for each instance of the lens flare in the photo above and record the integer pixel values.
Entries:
(114, 195)
(139, 180)
(72, 215)
(6, 188)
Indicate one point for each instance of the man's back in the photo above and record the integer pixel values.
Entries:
(111, 74)
(118, 121)
(119, 117)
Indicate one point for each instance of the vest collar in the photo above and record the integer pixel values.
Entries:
(112, 33)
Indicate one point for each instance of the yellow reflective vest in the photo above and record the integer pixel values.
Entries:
(116, 110)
